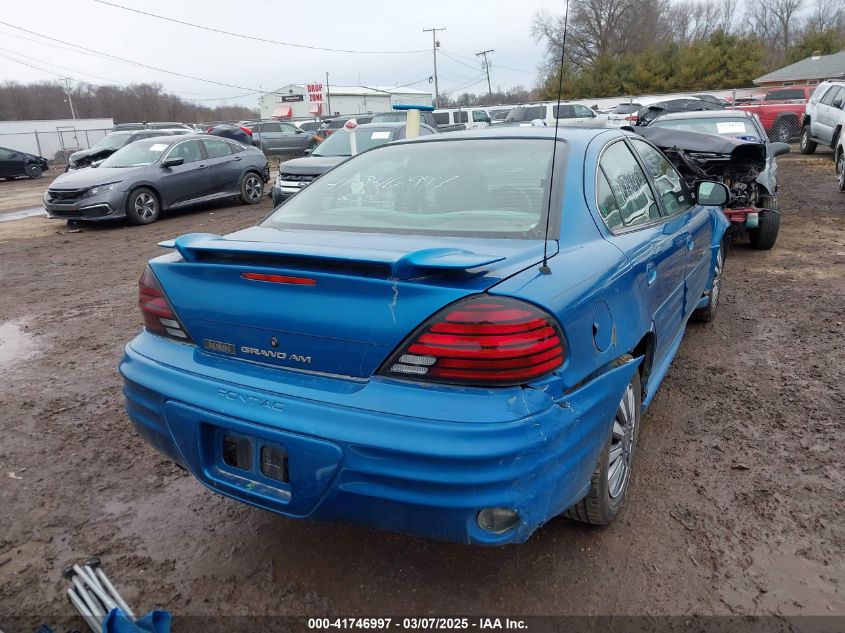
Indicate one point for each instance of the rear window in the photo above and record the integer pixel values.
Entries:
(479, 187)
(527, 113)
(785, 94)
(441, 118)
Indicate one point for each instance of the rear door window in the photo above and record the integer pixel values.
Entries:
(564, 112)
(671, 188)
(461, 117)
(215, 148)
(629, 185)
(441, 118)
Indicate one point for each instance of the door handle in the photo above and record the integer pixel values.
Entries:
(239, 158)
(201, 167)
(650, 273)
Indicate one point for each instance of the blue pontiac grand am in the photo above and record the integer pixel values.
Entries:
(400, 346)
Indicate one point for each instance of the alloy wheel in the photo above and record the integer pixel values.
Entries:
(840, 168)
(145, 206)
(717, 280)
(621, 452)
(253, 188)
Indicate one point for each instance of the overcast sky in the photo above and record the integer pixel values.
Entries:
(374, 25)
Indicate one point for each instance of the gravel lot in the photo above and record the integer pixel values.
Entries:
(736, 502)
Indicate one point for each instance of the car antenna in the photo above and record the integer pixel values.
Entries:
(544, 269)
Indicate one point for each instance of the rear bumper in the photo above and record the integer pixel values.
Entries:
(417, 475)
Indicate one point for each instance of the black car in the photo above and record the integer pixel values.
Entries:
(234, 132)
(14, 163)
(112, 142)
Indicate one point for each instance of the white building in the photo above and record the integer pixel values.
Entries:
(294, 101)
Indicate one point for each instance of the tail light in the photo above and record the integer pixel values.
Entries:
(318, 138)
(632, 118)
(208, 131)
(159, 317)
(482, 340)
(248, 130)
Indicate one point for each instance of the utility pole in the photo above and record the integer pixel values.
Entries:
(328, 98)
(69, 98)
(486, 66)
(434, 45)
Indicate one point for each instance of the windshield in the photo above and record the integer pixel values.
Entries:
(113, 140)
(136, 154)
(339, 144)
(732, 127)
(479, 187)
(527, 113)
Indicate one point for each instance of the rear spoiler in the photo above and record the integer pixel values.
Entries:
(402, 264)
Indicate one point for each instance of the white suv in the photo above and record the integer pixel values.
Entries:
(823, 116)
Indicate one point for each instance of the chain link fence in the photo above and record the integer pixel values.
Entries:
(54, 146)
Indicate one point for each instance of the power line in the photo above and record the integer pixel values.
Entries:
(251, 37)
(98, 55)
(130, 61)
(444, 53)
(498, 65)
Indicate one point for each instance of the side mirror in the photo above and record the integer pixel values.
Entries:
(173, 161)
(96, 163)
(837, 103)
(300, 131)
(488, 119)
(307, 151)
(712, 194)
(779, 149)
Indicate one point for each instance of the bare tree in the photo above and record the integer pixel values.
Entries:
(774, 21)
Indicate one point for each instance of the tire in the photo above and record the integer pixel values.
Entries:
(806, 145)
(606, 499)
(708, 312)
(764, 237)
(252, 188)
(840, 170)
(782, 132)
(34, 171)
(142, 206)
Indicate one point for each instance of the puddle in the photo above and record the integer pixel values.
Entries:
(15, 344)
(22, 214)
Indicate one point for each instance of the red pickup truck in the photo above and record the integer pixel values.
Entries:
(781, 111)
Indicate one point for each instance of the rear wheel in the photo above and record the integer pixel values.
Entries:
(34, 171)
(142, 206)
(807, 146)
(708, 312)
(609, 483)
(252, 188)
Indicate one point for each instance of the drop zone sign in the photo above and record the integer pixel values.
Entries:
(315, 93)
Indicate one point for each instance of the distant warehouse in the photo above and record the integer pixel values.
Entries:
(308, 101)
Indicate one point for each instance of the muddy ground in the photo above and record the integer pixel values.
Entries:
(736, 504)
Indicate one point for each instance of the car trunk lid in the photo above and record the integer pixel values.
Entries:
(329, 302)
